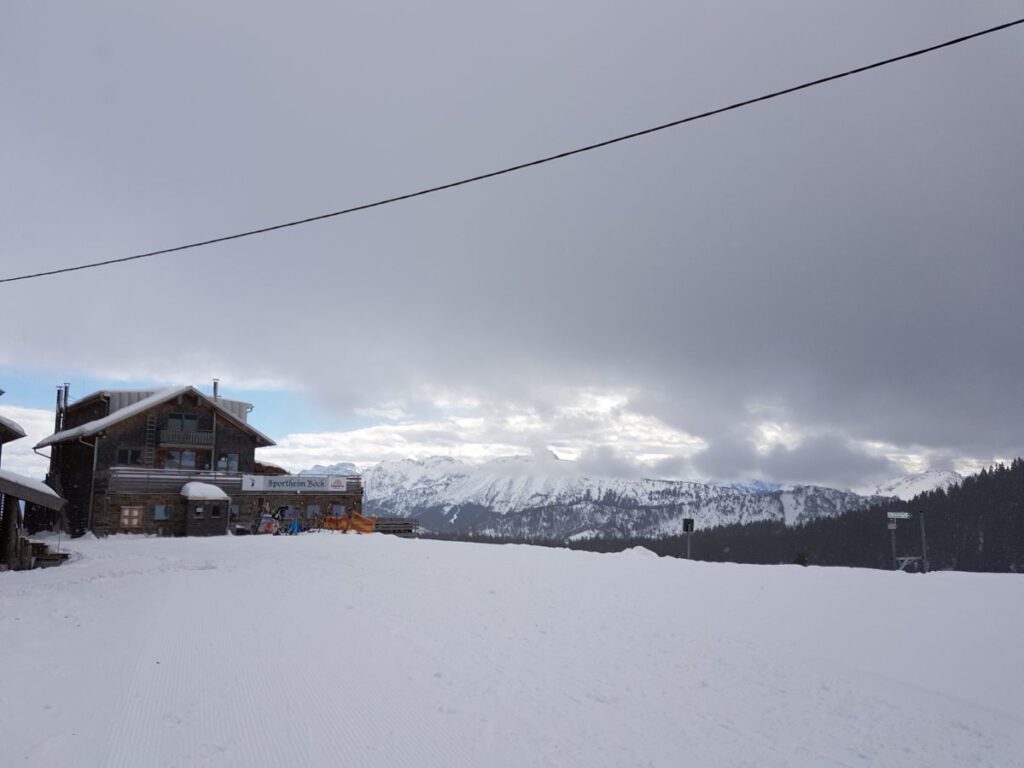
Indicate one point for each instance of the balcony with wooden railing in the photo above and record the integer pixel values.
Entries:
(166, 481)
(187, 438)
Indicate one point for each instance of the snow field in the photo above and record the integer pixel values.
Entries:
(330, 650)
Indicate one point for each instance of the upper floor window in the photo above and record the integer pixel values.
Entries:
(131, 457)
(182, 422)
(227, 462)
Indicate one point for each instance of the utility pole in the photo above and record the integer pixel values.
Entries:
(924, 543)
(688, 530)
(892, 537)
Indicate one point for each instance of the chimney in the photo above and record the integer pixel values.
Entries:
(216, 382)
(57, 420)
(64, 406)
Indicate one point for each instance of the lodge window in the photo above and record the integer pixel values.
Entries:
(129, 457)
(215, 510)
(227, 462)
(182, 422)
(180, 460)
(232, 511)
(161, 512)
(131, 517)
(312, 510)
(197, 512)
(337, 510)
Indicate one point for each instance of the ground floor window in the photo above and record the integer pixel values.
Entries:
(337, 510)
(215, 510)
(198, 511)
(161, 512)
(312, 510)
(131, 517)
(227, 462)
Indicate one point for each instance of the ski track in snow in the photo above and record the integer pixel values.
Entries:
(329, 650)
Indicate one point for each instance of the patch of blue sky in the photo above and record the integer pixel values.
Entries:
(276, 412)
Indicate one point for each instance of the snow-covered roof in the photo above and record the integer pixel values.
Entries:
(122, 398)
(10, 430)
(27, 489)
(203, 492)
(141, 406)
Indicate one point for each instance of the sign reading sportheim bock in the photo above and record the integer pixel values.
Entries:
(294, 484)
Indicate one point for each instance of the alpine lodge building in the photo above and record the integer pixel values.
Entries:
(174, 462)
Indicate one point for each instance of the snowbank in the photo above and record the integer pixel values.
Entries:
(327, 650)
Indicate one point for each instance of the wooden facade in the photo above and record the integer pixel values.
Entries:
(122, 458)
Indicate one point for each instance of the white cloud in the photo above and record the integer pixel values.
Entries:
(769, 434)
(18, 455)
(388, 411)
(199, 373)
(477, 431)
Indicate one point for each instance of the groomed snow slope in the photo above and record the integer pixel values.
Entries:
(331, 650)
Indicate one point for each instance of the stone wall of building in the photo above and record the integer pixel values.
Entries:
(206, 518)
(107, 517)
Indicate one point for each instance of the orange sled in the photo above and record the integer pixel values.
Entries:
(350, 522)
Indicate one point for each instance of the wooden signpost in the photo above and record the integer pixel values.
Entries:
(899, 563)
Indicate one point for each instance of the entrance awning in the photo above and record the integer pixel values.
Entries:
(203, 492)
(27, 489)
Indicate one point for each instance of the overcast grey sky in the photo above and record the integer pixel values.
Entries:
(822, 288)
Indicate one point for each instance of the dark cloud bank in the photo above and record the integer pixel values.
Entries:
(850, 256)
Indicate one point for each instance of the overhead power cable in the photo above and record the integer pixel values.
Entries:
(522, 166)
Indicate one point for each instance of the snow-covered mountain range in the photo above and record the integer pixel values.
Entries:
(343, 468)
(909, 486)
(543, 496)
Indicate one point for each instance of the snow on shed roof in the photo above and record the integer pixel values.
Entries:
(10, 430)
(141, 406)
(34, 491)
(203, 492)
